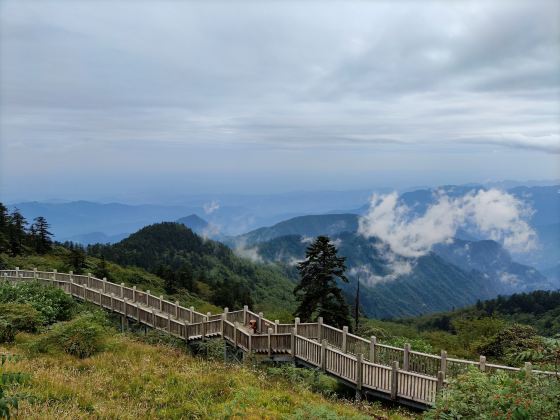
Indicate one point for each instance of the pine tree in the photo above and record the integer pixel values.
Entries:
(42, 236)
(318, 293)
(357, 306)
(16, 232)
(77, 259)
(101, 271)
(4, 228)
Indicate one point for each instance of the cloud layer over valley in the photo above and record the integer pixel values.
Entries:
(492, 213)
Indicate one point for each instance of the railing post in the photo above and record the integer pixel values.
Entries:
(226, 310)
(112, 302)
(160, 302)
(222, 318)
(528, 370)
(276, 322)
(372, 343)
(122, 290)
(134, 293)
(440, 381)
(147, 297)
(176, 309)
(186, 325)
(293, 343)
(344, 338)
(324, 355)
(259, 322)
(154, 319)
(104, 284)
(250, 344)
(169, 323)
(235, 333)
(296, 323)
(53, 277)
(443, 362)
(270, 342)
(245, 309)
(394, 380)
(88, 281)
(35, 275)
(17, 272)
(406, 357)
(319, 328)
(482, 363)
(191, 317)
(359, 375)
(204, 327)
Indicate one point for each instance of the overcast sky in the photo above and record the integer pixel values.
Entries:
(112, 100)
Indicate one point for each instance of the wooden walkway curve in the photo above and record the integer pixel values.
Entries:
(400, 374)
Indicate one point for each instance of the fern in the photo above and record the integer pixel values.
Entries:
(9, 403)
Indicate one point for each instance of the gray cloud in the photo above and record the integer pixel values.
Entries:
(397, 78)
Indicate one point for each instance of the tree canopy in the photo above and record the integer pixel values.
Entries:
(318, 294)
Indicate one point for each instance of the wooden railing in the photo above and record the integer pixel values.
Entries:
(398, 373)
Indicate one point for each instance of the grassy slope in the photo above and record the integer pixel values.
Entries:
(132, 380)
(128, 275)
(457, 331)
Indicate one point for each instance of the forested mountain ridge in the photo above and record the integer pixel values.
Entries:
(427, 284)
(207, 268)
(539, 309)
(490, 259)
(312, 225)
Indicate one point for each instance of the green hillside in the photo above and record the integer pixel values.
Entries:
(59, 258)
(528, 319)
(432, 285)
(203, 267)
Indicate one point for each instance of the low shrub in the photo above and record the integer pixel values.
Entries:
(160, 338)
(9, 402)
(82, 337)
(509, 342)
(22, 317)
(53, 304)
(7, 332)
(477, 395)
(309, 379)
(212, 349)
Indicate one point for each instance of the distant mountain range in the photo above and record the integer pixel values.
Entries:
(197, 224)
(453, 275)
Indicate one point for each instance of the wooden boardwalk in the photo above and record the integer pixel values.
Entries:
(400, 374)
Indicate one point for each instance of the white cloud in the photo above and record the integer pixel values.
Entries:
(492, 213)
(211, 207)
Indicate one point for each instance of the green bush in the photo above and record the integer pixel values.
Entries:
(22, 317)
(507, 343)
(7, 332)
(53, 304)
(476, 395)
(310, 379)
(212, 349)
(82, 337)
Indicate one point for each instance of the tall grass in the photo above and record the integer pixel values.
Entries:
(135, 380)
